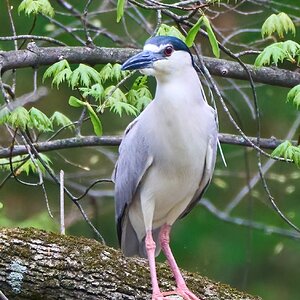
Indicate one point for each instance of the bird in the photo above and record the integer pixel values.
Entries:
(166, 157)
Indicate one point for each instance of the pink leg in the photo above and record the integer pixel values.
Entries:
(150, 247)
(182, 289)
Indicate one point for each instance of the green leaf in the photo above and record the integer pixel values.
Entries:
(56, 68)
(291, 47)
(61, 120)
(140, 81)
(19, 118)
(119, 107)
(212, 38)
(273, 53)
(106, 72)
(33, 166)
(96, 91)
(62, 76)
(83, 75)
(203, 20)
(280, 23)
(281, 149)
(288, 151)
(4, 115)
(278, 52)
(75, 102)
(35, 7)
(95, 120)
(294, 96)
(165, 29)
(117, 73)
(120, 9)
(39, 120)
(190, 38)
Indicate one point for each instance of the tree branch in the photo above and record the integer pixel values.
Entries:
(42, 56)
(86, 141)
(39, 265)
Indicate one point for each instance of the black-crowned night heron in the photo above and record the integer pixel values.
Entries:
(167, 157)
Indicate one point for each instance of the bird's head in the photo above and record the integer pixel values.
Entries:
(161, 56)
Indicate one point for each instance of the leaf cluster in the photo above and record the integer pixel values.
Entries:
(288, 151)
(25, 163)
(35, 7)
(280, 23)
(278, 52)
(97, 92)
(21, 118)
(294, 96)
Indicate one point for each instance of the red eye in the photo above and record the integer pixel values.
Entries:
(168, 50)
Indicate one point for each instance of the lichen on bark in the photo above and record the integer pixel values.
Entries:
(35, 264)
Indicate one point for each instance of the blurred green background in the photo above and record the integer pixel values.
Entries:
(249, 259)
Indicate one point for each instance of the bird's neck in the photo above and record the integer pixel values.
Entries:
(183, 88)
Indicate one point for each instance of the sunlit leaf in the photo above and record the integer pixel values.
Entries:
(19, 118)
(119, 107)
(95, 120)
(96, 91)
(271, 54)
(294, 96)
(62, 67)
(280, 23)
(291, 47)
(190, 38)
(203, 20)
(165, 29)
(4, 115)
(83, 75)
(288, 151)
(278, 52)
(60, 119)
(35, 7)
(39, 120)
(63, 75)
(212, 38)
(75, 102)
(281, 149)
(120, 9)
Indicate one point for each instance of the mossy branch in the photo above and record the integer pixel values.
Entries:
(36, 264)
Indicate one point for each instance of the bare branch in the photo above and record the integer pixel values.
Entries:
(86, 141)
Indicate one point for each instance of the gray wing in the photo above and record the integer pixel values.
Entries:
(209, 166)
(133, 161)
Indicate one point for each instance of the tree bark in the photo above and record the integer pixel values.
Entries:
(41, 56)
(86, 141)
(35, 264)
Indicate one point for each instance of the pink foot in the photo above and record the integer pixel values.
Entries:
(159, 296)
(185, 293)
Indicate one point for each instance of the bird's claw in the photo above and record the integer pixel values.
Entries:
(185, 293)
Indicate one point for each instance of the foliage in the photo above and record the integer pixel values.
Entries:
(165, 29)
(280, 23)
(278, 52)
(120, 9)
(25, 163)
(35, 7)
(21, 118)
(92, 84)
(288, 151)
(294, 96)
(203, 20)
